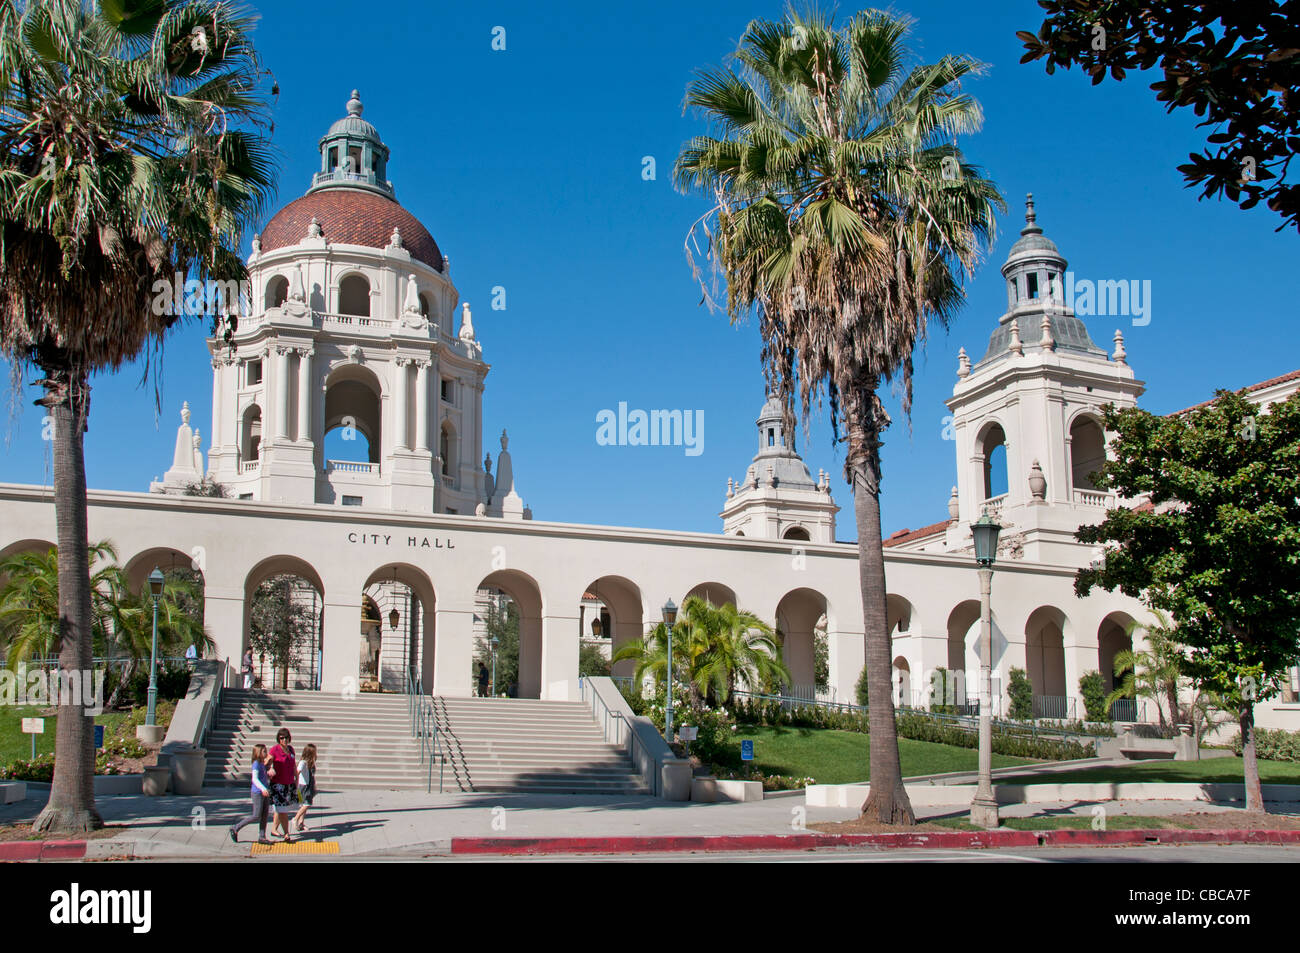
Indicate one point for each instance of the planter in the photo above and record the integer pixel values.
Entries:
(150, 734)
(155, 780)
(188, 766)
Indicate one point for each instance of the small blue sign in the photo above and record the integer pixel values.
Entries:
(99, 736)
(747, 751)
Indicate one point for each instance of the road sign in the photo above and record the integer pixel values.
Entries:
(99, 736)
(747, 751)
(688, 734)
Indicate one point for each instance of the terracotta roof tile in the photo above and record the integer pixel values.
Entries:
(1294, 375)
(351, 217)
(907, 535)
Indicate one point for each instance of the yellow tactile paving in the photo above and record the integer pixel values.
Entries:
(301, 847)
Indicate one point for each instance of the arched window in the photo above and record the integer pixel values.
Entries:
(797, 533)
(277, 291)
(1087, 452)
(994, 450)
(424, 305)
(447, 450)
(354, 296)
(251, 438)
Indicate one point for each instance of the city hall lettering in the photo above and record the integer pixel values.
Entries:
(412, 542)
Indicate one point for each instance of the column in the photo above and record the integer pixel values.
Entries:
(422, 406)
(453, 651)
(559, 658)
(215, 441)
(304, 394)
(282, 392)
(341, 655)
(846, 655)
(223, 616)
(399, 404)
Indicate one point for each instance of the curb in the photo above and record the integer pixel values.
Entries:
(43, 850)
(951, 840)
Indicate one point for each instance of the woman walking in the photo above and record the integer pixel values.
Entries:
(261, 793)
(306, 786)
(284, 783)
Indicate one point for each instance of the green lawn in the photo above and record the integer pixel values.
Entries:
(838, 757)
(1212, 770)
(15, 745)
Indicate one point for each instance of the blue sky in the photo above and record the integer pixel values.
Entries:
(526, 165)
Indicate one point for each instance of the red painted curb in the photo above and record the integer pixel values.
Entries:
(952, 840)
(43, 850)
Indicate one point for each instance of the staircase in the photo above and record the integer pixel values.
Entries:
(525, 745)
(364, 742)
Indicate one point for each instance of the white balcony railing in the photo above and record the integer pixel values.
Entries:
(250, 466)
(993, 505)
(351, 322)
(351, 466)
(1094, 498)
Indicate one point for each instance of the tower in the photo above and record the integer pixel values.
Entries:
(1027, 416)
(349, 383)
(778, 498)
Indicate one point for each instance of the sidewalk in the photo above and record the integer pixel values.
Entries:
(399, 823)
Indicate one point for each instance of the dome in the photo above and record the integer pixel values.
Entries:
(351, 217)
(1032, 243)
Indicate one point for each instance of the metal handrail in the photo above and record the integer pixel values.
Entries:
(424, 725)
(215, 704)
(610, 717)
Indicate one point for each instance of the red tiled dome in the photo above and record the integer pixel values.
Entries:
(351, 217)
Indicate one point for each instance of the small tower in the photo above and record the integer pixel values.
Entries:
(778, 499)
(1027, 417)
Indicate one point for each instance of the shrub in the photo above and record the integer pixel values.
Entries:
(1021, 692)
(1272, 744)
(860, 690)
(173, 683)
(40, 768)
(1093, 689)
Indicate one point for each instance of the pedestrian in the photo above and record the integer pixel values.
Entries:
(284, 783)
(482, 680)
(261, 795)
(306, 786)
(246, 668)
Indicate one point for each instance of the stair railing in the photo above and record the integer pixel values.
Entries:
(424, 725)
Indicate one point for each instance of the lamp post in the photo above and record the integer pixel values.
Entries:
(495, 642)
(670, 619)
(984, 807)
(155, 590)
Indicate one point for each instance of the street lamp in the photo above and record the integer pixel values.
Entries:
(495, 642)
(155, 590)
(670, 619)
(984, 807)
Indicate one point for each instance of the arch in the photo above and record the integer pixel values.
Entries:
(354, 295)
(425, 308)
(27, 546)
(991, 450)
(390, 652)
(250, 434)
(277, 292)
(169, 560)
(898, 614)
(307, 591)
(1087, 451)
(1045, 632)
(963, 636)
(714, 593)
(1114, 635)
(625, 608)
(799, 614)
(353, 398)
(448, 448)
(523, 591)
(797, 533)
(902, 682)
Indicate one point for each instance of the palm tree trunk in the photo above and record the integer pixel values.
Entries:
(887, 801)
(71, 807)
(1254, 791)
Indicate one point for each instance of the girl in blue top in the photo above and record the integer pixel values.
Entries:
(261, 795)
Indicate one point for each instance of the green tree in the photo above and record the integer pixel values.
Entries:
(592, 661)
(501, 622)
(1020, 692)
(845, 219)
(740, 648)
(1218, 549)
(29, 601)
(1093, 689)
(1153, 673)
(130, 135)
(1235, 64)
(280, 624)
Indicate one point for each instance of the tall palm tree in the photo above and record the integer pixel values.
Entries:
(130, 152)
(845, 218)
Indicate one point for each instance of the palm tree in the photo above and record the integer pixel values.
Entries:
(29, 601)
(743, 648)
(650, 654)
(130, 136)
(1153, 674)
(845, 218)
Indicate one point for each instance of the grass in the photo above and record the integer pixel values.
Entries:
(839, 757)
(1212, 771)
(15, 745)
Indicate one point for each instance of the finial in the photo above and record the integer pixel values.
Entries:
(313, 229)
(396, 240)
(954, 506)
(354, 104)
(505, 441)
(1015, 346)
(1031, 217)
(185, 413)
(487, 463)
(963, 364)
(1120, 354)
(1049, 342)
(257, 244)
(1037, 482)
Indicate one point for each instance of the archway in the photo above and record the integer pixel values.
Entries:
(284, 603)
(176, 566)
(902, 683)
(354, 296)
(1114, 635)
(1045, 661)
(396, 629)
(277, 292)
(800, 614)
(963, 651)
(516, 599)
(610, 614)
(714, 593)
(1087, 452)
(796, 533)
(992, 451)
(250, 435)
